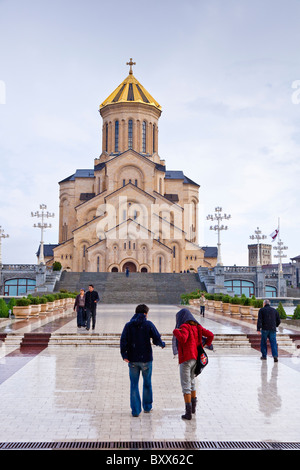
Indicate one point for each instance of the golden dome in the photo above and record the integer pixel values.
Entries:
(130, 90)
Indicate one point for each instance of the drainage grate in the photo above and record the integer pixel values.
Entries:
(152, 445)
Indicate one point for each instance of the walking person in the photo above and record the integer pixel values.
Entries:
(91, 299)
(187, 335)
(267, 322)
(202, 305)
(136, 350)
(79, 306)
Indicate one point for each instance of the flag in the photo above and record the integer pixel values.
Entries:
(274, 234)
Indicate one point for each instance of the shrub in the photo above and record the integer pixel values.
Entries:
(226, 299)
(218, 297)
(23, 302)
(281, 311)
(50, 297)
(296, 315)
(258, 303)
(56, 266)
(235, 300)
(3, 309)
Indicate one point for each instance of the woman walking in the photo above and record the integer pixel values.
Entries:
(80, 308)
(188, 334)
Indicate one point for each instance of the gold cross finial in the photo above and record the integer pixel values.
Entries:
(130, 64)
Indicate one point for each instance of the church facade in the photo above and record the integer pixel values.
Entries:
(129, 210)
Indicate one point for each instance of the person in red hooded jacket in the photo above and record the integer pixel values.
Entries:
(187, 335)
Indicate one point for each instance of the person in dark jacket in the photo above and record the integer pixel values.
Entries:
(187, 336)
(136, 350)
(267, 322)
(91, 299)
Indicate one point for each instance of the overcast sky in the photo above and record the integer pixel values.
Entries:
(226, 73)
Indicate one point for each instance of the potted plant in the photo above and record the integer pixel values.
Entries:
(50, 302)
(22, 308)
(226, 303)
(217, 303)
(35, 305)
(256, 306)
(210, 301)
(245, 307)
(235, 305)
(43, 304)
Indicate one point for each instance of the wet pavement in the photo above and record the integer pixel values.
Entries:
(81, 393)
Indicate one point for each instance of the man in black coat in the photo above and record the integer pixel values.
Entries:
(267, 322)
(136, 350)
(91, 299)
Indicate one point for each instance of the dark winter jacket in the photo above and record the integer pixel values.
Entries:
(268, 318)
(90, 300)
(188, 336)
(135, 339)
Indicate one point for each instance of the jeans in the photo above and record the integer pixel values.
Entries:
(90, 313)
(271, 334)
(202, 309)
(134, 373)
(81, 316)
(187, 376)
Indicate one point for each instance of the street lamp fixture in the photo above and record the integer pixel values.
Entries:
(258, 236)
(2, 235)
(42, 226)
(218, 227)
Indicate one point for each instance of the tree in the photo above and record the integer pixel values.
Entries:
(281, 311)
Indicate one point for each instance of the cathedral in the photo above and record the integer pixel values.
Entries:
(129, 212)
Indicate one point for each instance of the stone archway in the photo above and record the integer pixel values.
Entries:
(131, 266)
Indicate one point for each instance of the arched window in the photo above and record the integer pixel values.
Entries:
(153, 141)
(18, 286)
(239, 287)
(116, 136)
(130, 132)
(271, 291)
(159, 264)
(144, 137)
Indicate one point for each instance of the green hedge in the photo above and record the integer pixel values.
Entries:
(226, 298)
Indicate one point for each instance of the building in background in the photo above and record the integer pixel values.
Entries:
(129, 211)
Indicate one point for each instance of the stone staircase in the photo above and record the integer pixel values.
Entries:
(152, 288)
(220, 341)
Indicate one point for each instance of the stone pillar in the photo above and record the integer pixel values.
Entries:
(260, 282)
(40, 275)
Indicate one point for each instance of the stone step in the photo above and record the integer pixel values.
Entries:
(111, 339)
(284, 341)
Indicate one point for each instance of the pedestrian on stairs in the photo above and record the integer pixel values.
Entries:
(91, 299)
(187, 335)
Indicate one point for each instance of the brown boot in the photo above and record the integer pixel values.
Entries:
(188, 407)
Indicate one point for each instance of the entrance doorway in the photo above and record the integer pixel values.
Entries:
(131, 267)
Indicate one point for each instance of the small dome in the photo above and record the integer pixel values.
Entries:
(130, 90)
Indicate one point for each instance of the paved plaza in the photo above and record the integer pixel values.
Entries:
(81, 393)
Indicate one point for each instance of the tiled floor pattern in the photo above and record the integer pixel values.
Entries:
(82, 393)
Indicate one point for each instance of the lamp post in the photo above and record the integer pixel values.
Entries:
(2, 235)
(218, 217)
(280, 248)
(258, 236)
(42, 226)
